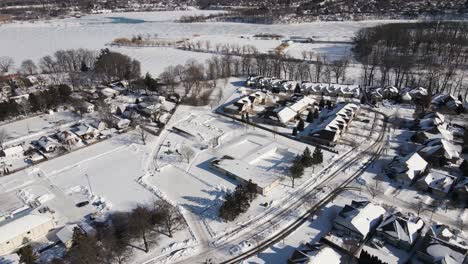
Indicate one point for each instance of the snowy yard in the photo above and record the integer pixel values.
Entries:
(34, 127)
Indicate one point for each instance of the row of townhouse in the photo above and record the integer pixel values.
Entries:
(288, 86)
(335, 124)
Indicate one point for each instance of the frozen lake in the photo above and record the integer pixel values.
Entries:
(35, 40)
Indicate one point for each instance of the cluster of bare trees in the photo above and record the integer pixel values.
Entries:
(72, 60)
(198, 79)
(219, 48)
(430, 54)
(126, 231)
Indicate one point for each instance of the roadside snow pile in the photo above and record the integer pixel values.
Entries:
(28, 197)
(98, 202)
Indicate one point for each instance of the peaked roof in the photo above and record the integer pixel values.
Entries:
(401, 228)
(361, 217)
(415, 164)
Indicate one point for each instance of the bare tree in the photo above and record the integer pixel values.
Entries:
(28, 67)
(419, 207)
(143, 135)
(168, 218)
(461, 224)
(3, 137)
(6, 63)
(187, 153)
(374, 188)
(140, 225)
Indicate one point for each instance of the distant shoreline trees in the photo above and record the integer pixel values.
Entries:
(429, 54)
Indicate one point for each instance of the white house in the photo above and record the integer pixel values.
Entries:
(88, 107)
(359, 219)
(69, 138)
(47, 144)
(12, 152)
(121, 123)
(409, 168)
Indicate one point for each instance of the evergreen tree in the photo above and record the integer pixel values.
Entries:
(34, 102)
(300, 125)
(296, 170)
(310, 117)
(297, 90)
(322, 103)
(317, 157)
(84, 67)
(306, 158)
(316, 113)
(64, 92)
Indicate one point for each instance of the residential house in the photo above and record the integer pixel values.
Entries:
(358, 219)
(436, 182)
(85, 131)
(408, 169)
(399, 231)
(315, 254)
(12, 152)
(252, 81)
(438, 151)
(109, 92)
(121, 123)
(257, 98)
(88, 107)
(446, 102)
(65, 235)
(418, 93)
(335, 124)
(19, 231)
(47, 144)
(283, 115)
(69, 138)
(438, 250)
(242, 105)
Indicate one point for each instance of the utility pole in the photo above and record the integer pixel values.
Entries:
(89, 184)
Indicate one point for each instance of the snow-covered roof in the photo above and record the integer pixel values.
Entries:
(337, 118)
(302, 103)
(11, 151)
(18, 226)
(285, 114)
(419, 91)
(361, 217)
(439, 181)
(434, 145)
(66, 233)
(406, 97)
(415, 164)
(46, 142)
(289, 85)
(401, 228)
(326, 255)
(328, 89)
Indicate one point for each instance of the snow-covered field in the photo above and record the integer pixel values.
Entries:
(35, 40)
